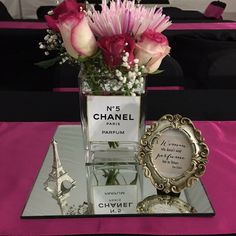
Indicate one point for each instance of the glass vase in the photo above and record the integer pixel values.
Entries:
(111, 120)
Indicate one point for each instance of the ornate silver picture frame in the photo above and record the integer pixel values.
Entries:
(173, 153)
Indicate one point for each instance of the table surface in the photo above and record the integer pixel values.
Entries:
(29, 120)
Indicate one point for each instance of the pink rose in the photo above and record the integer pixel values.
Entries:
(65, 7)
(151, 49)
(77, 36)
(113, 48)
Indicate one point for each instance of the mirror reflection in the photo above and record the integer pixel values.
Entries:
(66, 187)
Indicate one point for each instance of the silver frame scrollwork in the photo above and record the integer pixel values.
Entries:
(146, 205)
(198, 160)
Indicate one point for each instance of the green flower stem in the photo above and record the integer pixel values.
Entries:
(111, 176)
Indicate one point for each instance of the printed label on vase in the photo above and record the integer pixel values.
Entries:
(113, 118)
(118, 199)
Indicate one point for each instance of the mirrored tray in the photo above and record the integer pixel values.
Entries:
(43, 204)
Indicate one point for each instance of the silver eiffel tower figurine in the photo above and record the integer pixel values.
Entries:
(59, 183)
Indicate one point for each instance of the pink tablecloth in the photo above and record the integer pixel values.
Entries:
(71, 89)
(23, 147)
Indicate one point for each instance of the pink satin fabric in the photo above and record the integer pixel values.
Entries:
(214, 11)
(22, 25)
(203, 26)
(174, 26)
(166, 88)
(64, 90)
(23, 146)
(148, 88)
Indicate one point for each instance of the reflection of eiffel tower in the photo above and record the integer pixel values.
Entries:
(59, 183)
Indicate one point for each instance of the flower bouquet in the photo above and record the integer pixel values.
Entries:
(115, 47)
